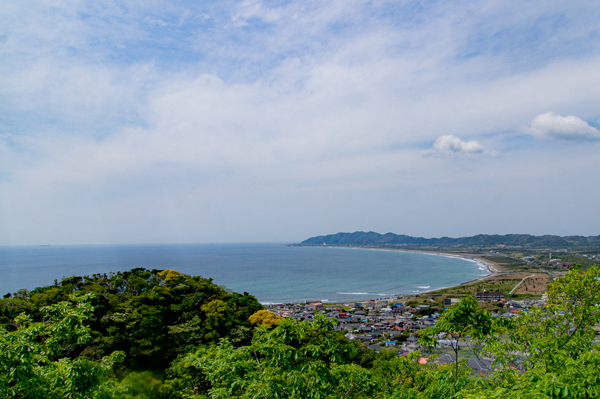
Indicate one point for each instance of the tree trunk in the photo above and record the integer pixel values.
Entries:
(456, 361)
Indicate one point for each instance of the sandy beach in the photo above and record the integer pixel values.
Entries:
(489, 266)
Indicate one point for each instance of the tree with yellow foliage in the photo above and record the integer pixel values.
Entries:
(265, 318)
(168, 274)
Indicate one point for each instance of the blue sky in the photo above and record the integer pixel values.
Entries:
(244, 121)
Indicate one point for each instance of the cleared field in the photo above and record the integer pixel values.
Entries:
(503, 283)
(535, 285)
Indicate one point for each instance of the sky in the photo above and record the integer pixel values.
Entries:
(126, 122)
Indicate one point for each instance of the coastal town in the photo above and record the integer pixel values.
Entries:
(395, 323)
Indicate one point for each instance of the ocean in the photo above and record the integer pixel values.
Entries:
(273, 273)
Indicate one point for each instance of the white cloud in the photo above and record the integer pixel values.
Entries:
(156, 22)
(552, 126)
(449, 144)
(301, 105)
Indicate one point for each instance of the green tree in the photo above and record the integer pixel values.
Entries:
(462, 320)
(30, 363)
(548, 352)
(402, 377)
(291, 360)
(151, 315)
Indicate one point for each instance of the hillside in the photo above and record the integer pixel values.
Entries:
(360, 238)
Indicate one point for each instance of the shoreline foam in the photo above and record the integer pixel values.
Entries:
(487, 265)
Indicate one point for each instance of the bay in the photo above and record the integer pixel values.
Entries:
(273, 273)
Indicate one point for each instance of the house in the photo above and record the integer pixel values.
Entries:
(450, 301)
(391, 343)
(412, 347)
(448, 342)
(416, 327)
(375, 347)
(489, 296)
(307, 315)
(365, 338)
(446, 359)
(480, 366)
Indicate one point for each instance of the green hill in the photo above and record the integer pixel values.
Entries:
(361, 238)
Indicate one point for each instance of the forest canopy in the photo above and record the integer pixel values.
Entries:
(161, 334)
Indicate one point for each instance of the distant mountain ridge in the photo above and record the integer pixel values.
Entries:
(361, 238)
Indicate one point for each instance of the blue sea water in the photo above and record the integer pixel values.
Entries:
(271, 272)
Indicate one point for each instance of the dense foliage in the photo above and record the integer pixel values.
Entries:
(54, 351)
(30, 363)
(151, 316)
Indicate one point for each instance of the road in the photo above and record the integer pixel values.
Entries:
(520, 282)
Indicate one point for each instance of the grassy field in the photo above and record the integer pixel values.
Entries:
(504, 283)
(507, 264)
(492, 284)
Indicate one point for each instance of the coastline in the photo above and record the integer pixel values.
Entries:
(489, 266)
(52, 262)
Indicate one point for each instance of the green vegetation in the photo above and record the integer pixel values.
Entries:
(460, 321)
(152, 317)
(507, 263)
(265, 318)
(159, 334)
(511, 260)
(495, 285)
(361, 238)
(30, 361)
